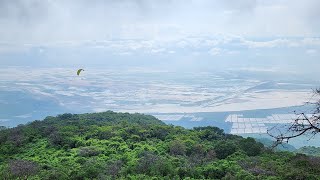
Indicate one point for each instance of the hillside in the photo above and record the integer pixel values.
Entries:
(309, 150)
(133, 146)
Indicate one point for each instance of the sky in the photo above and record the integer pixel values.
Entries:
(280, 35)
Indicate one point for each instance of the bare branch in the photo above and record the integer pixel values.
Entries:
(302, 124)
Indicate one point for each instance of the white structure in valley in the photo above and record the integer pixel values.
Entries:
(241, 125)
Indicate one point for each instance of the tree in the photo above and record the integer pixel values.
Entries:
(146, 162)
(224, 149)
(2, 128)
(305, 123)
(251, 147)
(17, 137)
(177, 148)
(56, 139)
(22, 168)
(114, 168)
(88, 151)
(90, 169)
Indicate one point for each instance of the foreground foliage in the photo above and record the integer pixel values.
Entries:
(133, 146)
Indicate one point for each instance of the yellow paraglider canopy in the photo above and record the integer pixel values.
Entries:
(79, 71)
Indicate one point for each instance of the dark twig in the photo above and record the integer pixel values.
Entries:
(300, 125)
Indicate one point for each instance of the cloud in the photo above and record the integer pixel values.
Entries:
(312, 51)
(239, 6)
(50, 21)
(311, 41)
(265, 44)
(281, 42)
(200, 44)
(158, 50)
(215, 51)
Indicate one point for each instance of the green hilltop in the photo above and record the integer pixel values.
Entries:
(113, 145)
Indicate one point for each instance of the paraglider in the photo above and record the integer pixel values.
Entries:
(79, 71)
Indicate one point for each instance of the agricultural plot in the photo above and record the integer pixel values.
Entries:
(178, 117)
(171, 117)
(241, 125)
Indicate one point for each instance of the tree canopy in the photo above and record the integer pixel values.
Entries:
(112, 145)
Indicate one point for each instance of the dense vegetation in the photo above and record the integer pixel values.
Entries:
(133, 146)
(309, 150)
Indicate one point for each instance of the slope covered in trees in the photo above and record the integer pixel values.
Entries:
(133, 146)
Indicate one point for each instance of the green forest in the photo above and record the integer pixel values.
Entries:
(113, 145)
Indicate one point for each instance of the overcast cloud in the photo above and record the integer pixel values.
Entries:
(43, 21)
(50, 31)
